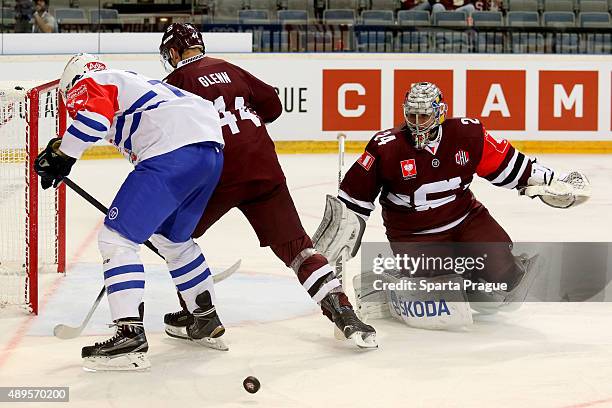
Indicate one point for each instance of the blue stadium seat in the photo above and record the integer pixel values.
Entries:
(594, 19)
(450, 18)
(104, 16)
(339, 16)
(523, 19)
(565, 43)
(487, 19)
(593, 6)
(596, 43)
(377, 17)
(413, 41)
(559, 5)
(413, 18)
(341, 4)
(386, 4)
(253, 16)
(293, 16)
(558, 19)
(490, 42)
(376, 40)
(7, 17)
(70, 16)
(523, 5)
(527, 43)
(451, 42)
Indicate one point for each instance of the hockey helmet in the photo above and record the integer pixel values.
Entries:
(77, 66)
(180, 37)
(424, 112)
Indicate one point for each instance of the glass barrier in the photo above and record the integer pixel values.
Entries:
(308, 26)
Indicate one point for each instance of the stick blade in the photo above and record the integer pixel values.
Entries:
(63, 332)
(228, 272)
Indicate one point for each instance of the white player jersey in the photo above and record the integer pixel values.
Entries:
(142, 117)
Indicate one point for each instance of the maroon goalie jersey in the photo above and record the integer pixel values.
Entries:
(427, 191)
(245, 105)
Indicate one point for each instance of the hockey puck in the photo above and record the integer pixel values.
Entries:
(251, 384)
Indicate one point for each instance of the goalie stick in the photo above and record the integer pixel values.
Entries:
(66, 332)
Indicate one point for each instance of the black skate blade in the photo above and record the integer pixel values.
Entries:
(360, 339)
(181, 333)
(364, 340)
(216, 344)
(125, 362)
(177, 332)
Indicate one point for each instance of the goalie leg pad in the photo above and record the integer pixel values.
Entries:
(528, 270)
(187, 267)
(433, 309)
(124, 276)
(340, 230)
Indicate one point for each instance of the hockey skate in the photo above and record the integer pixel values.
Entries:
(348, 325)
(125, 351)
(203, 326)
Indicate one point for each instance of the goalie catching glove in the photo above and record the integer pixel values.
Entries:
(564, 191)
(52, 165)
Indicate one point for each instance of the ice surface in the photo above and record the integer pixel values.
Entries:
(544, 355)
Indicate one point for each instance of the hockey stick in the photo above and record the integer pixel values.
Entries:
(91, 200)
(65, 332)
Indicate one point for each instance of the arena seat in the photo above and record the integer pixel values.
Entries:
(593, 6)
(339, 16)
(523, 5)
(413, 18)
(253, 17)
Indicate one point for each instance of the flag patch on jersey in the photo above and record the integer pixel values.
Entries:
(77, 99)
(462, 157)
(366, 160)
(499, 145)
(408, 168)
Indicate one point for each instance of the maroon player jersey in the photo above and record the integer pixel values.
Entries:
(245, 105)
(427, 191)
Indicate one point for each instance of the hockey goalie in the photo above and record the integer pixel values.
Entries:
(422, 171)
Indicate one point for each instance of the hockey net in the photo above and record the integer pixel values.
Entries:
(32, 220)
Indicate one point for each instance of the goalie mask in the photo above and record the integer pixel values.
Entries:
(77, 66)
(178, 37)
(424, 113)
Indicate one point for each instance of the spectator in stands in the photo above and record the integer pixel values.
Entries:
(23, 15)
(440, 5)
(319, 7)
(42, 20)
(409, 4)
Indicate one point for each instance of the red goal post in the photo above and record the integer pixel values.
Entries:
(32, 237)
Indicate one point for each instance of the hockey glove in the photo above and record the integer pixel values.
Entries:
(52, 165)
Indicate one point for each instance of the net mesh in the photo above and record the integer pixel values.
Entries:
(15, 220)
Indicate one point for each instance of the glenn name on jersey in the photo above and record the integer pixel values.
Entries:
(427, 191)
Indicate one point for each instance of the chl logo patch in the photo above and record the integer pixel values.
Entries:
(113, 213)
(408, 168)
(366, 160)
(462, 157)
